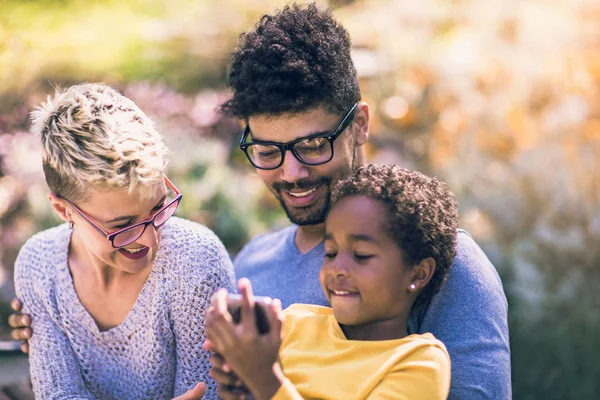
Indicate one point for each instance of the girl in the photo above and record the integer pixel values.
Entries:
(390, 239)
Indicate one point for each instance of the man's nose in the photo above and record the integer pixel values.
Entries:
(292, 169)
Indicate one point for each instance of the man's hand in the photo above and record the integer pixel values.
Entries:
(196, 393)
(248, 354)
(20, 325)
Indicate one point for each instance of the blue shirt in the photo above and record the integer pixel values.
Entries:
(468, 314)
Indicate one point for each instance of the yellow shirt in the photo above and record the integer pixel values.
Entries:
(320, 363)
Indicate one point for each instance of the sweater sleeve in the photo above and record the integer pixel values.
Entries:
(55, 371)
(209, 269)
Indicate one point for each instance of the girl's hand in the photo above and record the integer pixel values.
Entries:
(229, 386)
(251, 356)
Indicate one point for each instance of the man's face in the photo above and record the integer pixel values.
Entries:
(304, 190)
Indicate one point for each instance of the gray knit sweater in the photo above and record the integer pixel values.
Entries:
(155, 353)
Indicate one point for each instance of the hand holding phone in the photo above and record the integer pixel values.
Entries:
(247, 341)
(261, 305)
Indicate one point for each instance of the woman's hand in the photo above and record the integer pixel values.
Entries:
(195, 393)
(251, 356)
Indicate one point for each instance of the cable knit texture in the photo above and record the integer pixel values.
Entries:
(155, 352)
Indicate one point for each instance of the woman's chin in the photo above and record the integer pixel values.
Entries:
(135, 264)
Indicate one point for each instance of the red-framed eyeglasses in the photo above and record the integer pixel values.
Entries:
(130, 234)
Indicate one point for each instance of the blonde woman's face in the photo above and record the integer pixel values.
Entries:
(113, 210)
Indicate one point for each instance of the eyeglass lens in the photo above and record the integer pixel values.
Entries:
(310, 151)
(131, 235)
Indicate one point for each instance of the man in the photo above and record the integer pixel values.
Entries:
(296, 88)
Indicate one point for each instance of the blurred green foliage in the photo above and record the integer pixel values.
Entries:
(500, 100)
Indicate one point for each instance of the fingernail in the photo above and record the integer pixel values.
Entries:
(23, 319)
(26, 334)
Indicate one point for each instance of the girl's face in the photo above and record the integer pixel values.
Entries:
(364, 275)
(112, 210)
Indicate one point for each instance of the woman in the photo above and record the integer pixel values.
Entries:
(117, 293)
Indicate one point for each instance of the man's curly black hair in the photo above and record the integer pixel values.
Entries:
(293, 61)
(422, 214)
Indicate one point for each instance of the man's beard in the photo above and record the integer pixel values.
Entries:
(315, 213)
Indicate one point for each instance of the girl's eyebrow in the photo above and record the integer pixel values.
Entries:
(126, 217)
(356, 237)
(361, 237)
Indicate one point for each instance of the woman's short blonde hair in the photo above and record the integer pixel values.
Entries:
(93, 135)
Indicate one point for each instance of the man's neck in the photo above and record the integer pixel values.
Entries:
(309, 236)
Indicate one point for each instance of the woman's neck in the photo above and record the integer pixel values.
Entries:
(107, 293)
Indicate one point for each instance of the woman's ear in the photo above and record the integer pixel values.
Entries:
(362, 120)
(422, 273)
(60, 206)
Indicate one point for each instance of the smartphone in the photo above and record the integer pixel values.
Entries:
(234, 306)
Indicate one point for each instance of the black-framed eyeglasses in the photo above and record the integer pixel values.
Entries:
(131, 233)
(309, 150)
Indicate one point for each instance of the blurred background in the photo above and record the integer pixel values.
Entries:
(500, 98)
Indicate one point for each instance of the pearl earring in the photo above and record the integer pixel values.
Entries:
(413, 287)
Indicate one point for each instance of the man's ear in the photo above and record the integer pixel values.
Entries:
(61, 208)
(362, 120)
(422, 273)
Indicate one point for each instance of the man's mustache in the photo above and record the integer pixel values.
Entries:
(300, 184)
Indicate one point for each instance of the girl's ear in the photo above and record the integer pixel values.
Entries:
(60, 206)
(422, 273)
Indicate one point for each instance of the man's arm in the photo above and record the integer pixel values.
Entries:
(469, 315)
(20, 324)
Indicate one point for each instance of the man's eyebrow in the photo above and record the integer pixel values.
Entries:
(254, 139)
(126, 217)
